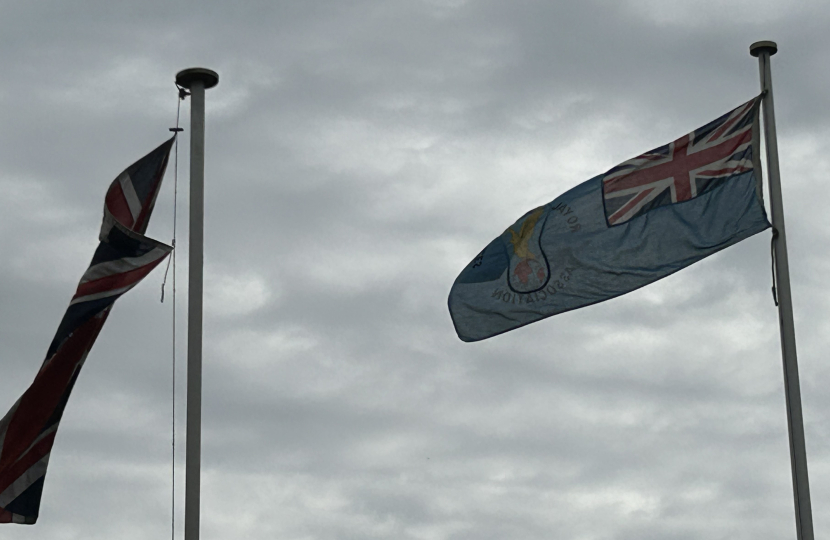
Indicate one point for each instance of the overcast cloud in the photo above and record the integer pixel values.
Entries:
(359, 154)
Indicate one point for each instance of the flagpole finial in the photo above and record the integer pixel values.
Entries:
(188, 76)
(757, 48)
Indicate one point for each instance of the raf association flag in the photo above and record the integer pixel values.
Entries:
(639, 222)
(124, 256)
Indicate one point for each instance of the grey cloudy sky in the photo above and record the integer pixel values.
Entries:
(358, 155)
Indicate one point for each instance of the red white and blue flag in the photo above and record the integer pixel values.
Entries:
(639, 222)
(124, 256)
(683, 169)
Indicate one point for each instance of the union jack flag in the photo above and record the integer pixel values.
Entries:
(683, 169)
(124, 256)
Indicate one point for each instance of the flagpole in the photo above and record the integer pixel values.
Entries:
(763, 50)
(197, 80)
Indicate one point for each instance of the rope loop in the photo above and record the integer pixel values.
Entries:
(772, 258)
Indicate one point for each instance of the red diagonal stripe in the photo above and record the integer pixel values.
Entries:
(116, 203)
(630, 204)
(9, 475)
(724, 172)
(41, 399)
(729, 123)
(116, 281)
(147, 205)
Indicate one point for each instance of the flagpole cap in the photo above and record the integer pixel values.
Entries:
(187, 77)
(760, 47)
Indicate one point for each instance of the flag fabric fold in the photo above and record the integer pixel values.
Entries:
(639, 222)
(123, 257)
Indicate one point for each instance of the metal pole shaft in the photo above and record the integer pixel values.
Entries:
(792, 390)
(194, 311)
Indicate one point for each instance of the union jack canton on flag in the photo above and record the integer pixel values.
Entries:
(639, 222)
(124, 256)
(683, 169)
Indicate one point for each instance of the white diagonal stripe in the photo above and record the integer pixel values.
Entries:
(4, 424)
(120, 266)
(40, 437)
(103, 294)
(32, 474)
(129, 194)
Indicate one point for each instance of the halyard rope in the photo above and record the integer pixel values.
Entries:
(182, 94)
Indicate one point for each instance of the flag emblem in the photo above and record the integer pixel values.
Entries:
(529, 268)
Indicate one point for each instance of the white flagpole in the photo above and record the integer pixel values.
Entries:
(798, 455)
(197, 80)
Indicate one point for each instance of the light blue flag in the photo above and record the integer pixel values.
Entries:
(640, 221)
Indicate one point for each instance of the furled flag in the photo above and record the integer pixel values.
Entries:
(124, 256)
(639, 222)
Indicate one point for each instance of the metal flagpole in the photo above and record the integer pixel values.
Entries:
(798, 455)
(197, 80)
